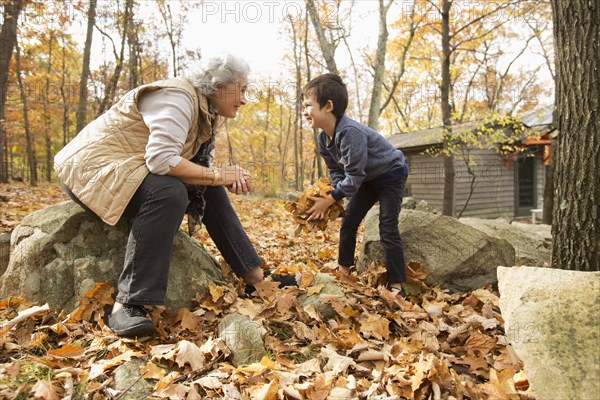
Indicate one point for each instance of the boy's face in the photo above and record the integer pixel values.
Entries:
(315, 115)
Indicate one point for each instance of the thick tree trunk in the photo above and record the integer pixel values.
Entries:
(379, 67)
(549, 186)
(8, 38)
(448, 201)
(85, 68)
(576, 223)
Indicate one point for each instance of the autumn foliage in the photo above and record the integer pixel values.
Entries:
(299, 208)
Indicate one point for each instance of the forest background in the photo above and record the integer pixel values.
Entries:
(73, 60)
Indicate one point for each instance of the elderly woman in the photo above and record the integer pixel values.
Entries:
(149, 158)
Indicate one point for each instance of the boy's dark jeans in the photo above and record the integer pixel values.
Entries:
(156, 211)
(388, 189)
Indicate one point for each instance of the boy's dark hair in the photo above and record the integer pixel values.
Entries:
(328, 87)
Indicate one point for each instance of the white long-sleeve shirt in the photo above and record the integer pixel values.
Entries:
(168, 113)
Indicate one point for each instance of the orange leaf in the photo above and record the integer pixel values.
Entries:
(67, 351)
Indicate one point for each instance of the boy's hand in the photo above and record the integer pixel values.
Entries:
(317, 211)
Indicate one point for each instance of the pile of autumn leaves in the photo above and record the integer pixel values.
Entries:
(378, 346)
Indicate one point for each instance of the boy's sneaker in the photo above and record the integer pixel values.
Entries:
(398, 292)
(131, 321)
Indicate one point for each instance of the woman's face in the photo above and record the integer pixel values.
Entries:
(227, 99)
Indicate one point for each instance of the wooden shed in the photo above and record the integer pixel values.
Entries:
(505, 185)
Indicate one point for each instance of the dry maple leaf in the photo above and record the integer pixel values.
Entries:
(190, 354)
(93, 303)
(299, 208)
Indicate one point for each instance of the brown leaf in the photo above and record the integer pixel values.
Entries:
(480, 342)
(376, 325)
(299, 208)
(93, 303)
(152, 371)
(45, 390)
(189, 353)
(67, 351)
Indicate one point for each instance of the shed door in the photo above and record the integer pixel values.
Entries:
(525, 186)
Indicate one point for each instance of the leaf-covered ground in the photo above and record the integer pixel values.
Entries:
(436, 346)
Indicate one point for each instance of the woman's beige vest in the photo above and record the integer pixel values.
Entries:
(104, 164)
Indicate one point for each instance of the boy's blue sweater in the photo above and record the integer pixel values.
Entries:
(356, 154)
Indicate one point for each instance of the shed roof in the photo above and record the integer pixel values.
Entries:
(427, 137)
(538, 121)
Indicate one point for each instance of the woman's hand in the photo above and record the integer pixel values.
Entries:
(233, 173)
(318, 210)
(241, 187)
(236, 179)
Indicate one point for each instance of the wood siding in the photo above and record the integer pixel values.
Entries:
(494, 194)
(426, 179)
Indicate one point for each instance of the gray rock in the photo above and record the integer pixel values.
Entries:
(552, 320)
(543, 230)
(424, 206)
(457, 256)
(4, 251)
(59, 252)
(531, 246)
(243, 337)
(319, 300)
(128, 381)
(409, 203)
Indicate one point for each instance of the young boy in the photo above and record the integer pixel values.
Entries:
(362, 165)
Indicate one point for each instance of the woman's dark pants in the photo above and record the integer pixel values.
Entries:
(156, 211)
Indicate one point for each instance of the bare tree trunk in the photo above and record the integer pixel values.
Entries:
(65, 98)
(47, 119)
(134, 54)
(327, 47)
(8, 38)
(229, 145)
(114, 81)
(172, 33)
(448, 202)
(576, 244)
(319, 164)
(28, 139)
(85, 68)
(379, 66)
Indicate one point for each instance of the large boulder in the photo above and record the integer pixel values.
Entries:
(552, 320)
(59, 252)
(532, 243)
(457, 256)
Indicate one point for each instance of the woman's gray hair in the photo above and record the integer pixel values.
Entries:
(219, 70)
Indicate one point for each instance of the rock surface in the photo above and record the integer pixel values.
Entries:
(129, 383)
(59, 252)
(457, 256)
(552, 320)
(243, 337)
(319, 301)
(4, 251)
(532, 245)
